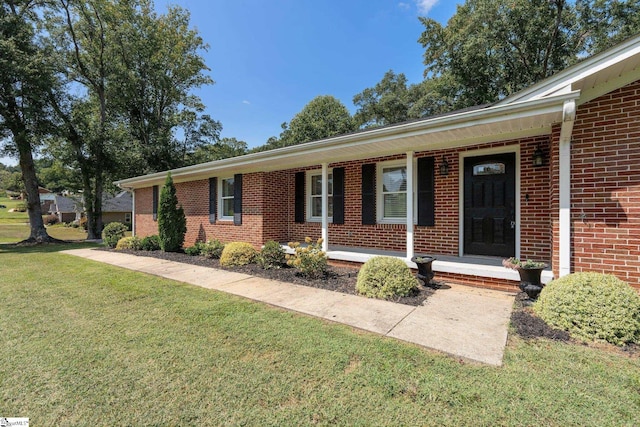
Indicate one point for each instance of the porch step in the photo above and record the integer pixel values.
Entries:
(468, 266)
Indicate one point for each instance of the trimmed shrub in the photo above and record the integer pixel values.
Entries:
(113, 232)
(150, 243)
(592, 307)
(131, 242)
(311, 260)
(272, 255)
(237, 253)
(172, 224)
(194, 250)
(385, 277)
(50, 219)
(212, 249)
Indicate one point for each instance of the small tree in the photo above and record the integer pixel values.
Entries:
(172, 224)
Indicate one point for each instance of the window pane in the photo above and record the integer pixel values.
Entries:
(316, 185)
(489, 169)
(316, 206)
(395, 205)
(227, 187)
(227, 207)
(394, 179)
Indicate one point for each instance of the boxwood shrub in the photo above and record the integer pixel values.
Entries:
(272, 255)
(385, 277)
(113, 232)
(237, 253)
(592, 307)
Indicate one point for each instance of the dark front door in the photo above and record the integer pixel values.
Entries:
(490, 205)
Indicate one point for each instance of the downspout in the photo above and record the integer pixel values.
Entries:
(564, 170)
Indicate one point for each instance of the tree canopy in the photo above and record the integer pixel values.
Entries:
(490, 49)
(324, 116)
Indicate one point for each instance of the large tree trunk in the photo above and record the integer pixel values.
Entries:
(38, 232)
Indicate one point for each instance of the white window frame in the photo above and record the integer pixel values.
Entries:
(380, 196)
(222, 198)
(309, 196)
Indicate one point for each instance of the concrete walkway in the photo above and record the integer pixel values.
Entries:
(462, 321)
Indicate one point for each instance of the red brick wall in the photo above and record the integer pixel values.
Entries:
(605, 185)
(268, 209)
(443, 238)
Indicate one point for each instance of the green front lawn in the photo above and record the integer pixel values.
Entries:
(7, 217)
(13, 233)
(88, 344)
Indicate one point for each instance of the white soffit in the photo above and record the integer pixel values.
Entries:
(490, 124)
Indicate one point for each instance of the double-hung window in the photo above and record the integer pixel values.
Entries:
(314, 191)
(392, 192)
(226, 199)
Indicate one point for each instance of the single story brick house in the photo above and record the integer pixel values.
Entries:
(550, 173)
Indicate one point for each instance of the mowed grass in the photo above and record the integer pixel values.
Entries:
(13, 233)
(7, 217)
(89, 344)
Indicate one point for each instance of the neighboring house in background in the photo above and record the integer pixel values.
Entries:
(118, 208)
(114, 209)
(46, 200)
(550, 173)
(66, 209)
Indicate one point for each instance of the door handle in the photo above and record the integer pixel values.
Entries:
(513, 225)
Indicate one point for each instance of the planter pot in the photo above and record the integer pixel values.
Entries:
(425, 273)
(530, 281)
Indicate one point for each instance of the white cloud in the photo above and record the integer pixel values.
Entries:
(424, 6)
(246, 102)
(404, 6)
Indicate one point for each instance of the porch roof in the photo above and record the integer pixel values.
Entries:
(462, 128)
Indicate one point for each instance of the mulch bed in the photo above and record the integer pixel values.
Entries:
(338, 279)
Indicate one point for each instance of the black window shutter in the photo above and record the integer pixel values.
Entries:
(426, 191)
(299, 202)
(213, 199)
(369, 193)
(237, 199)
(338, 195)
(155, 202)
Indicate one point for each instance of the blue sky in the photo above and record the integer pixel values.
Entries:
(270, 58)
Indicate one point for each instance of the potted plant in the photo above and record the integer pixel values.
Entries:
(425, 273)
(530, 272)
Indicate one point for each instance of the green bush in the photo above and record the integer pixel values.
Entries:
(272, 255)
(128, 243)
(50, 219)
(311, 260)
(385, 277)
(172, 223)
(592, 307)
(237, 253)
(150, 243)
(194, 250)
(113, 232)
(212, 249)
(21, 207)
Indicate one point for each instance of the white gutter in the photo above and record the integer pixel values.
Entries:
(310, 151)
(568, 119)
(325, 207)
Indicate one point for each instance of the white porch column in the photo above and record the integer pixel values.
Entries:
(325, 207)
(133, 212)
(409, 205)
(569, 115)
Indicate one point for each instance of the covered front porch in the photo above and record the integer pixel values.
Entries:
(487, 272)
